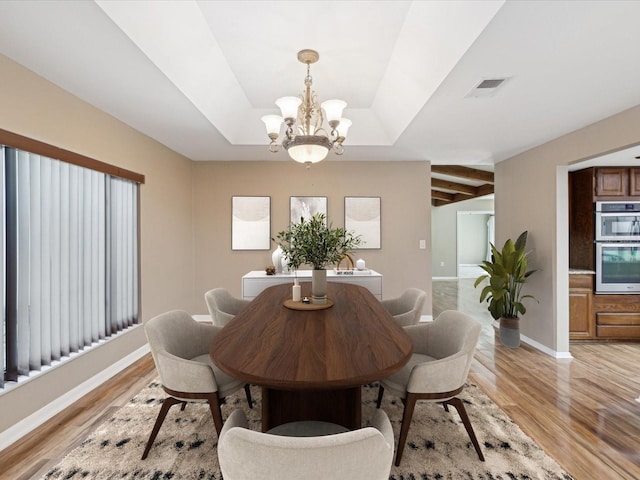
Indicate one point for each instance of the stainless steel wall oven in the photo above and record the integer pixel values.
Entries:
(617, 247)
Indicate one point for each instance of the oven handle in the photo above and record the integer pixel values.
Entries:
(618, 214)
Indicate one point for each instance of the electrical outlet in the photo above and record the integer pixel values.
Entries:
(442, 264)
(423, 244)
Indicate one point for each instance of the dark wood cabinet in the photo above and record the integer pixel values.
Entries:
(617, 183)
(601, 316)
(581, 219)
(617, 316)
(634, 182)
(612, 182)
(581, 324)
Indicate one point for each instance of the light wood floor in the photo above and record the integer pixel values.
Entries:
(582, 411)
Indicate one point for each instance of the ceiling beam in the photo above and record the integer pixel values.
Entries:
(456, 187)
(463, 172)
(485, 189)
(439, 198)
(445, 192)
(444, 196)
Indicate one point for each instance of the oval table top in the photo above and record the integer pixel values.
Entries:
(354, 342)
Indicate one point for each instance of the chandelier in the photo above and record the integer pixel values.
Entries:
(306, 139)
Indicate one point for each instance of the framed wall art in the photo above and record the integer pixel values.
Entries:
(250, 223)
(306, 207)
(362, 217)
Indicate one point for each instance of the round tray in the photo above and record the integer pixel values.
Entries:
(307, 306)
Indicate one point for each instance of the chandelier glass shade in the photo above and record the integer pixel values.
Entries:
(306, 138)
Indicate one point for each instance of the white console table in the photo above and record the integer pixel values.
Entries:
(256, 281)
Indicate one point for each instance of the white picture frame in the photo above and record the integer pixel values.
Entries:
(362, 217)
(250, 223)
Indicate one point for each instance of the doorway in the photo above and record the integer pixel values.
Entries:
(475, 231)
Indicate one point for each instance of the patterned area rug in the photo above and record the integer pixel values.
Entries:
(438, 447)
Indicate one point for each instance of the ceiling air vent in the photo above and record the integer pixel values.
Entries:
(487, 87)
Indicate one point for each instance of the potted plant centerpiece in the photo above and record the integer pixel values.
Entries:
(316, 243)
(506, 274)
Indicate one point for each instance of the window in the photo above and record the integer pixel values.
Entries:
(69, 258)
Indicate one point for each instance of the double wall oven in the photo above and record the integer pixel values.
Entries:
(617, 247)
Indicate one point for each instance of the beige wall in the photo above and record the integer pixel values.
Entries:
(531, 194)
(404, 204)
(35, 108)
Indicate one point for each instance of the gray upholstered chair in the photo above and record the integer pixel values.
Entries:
(363, 454)
(407, 308)
(180, 349)
(437, 371)
(223, 306)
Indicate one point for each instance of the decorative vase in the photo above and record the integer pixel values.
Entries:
(319, 287)
(510, 332)
(276, 258)
(296, 293)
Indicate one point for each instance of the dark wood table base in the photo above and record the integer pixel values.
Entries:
(342, 406)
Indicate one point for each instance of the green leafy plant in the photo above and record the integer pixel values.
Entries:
(507, 273)
(314, 242)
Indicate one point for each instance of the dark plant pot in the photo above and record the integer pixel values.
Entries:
(510, 332)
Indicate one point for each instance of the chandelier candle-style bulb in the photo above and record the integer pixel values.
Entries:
(307, 138)
(333, 111)
(289, 107)
(343, 127)
(273, 123)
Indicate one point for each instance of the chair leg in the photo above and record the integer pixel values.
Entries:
(409, 404)
(459, 405)
(184, 404)
(247, 392)
(166, 405)
(216, 413)
(380, 394)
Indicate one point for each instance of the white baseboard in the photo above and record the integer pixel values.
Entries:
(25, 426)
(544, 349)
(538, 345)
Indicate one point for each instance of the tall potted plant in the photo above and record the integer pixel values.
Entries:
(506, 274)
(316, 243)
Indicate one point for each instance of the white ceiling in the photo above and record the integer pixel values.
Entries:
(198, 75)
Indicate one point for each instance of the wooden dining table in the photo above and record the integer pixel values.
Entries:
(311, 364)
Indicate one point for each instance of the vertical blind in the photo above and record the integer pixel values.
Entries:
(70, 259)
